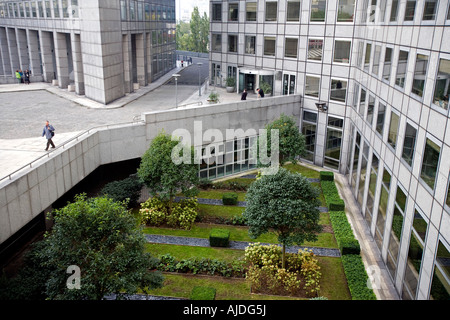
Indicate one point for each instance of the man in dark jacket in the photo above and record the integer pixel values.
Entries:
(244, 95)
(260, 92)
(48, 132)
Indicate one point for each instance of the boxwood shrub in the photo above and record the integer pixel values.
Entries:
(332, 197)
(230, 198)
(219, 237)
(326, 176)
(344, 233)
(357, 277)
(128, 188)
(203, 293)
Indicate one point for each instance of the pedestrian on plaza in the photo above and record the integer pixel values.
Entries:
(244, 95)
(260, 93)
(21, 76)
(49, 133)
(18, 77)
(27, 76)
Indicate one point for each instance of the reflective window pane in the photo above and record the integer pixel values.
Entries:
(393, 130)
(401, 68)
(429, 11)
(430, 163)
(409, 144)
(346, 10)
(380, 118)
(293, 10)
(315, 49)
(420, 73)
(291, 45)
(250, 11)
(342, 51)
(440, 286)
(441, 87)
(410, 10)
(387, 64)
(233, 12)
(338, 90)
(269, 46)
(318, 10)
(271, 10)
(394, 10)
(312, 86)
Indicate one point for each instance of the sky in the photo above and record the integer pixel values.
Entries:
(187, 6)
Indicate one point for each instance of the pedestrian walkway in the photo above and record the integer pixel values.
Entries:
(238, 245)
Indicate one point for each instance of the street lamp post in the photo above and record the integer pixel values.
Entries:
(199, 85)
(176, 75)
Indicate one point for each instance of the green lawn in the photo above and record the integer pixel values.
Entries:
(305, 171)
(217, 194)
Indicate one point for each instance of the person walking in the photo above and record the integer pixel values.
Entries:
(49, 132)
(260, 93)
(244, 95)
(21, 76)
(18, 77)
(27, 76)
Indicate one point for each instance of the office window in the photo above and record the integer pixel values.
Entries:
(382, 13)
(441, 87)
(315, 49)
(271, 10)
(233, 12)
(380, 118)
(312, 86)
(133, 10)
(65, 8)
(356, 160)
(123, 10)
(382, 209)
(269, 46)
(56, 8)
(338, 90)
(346, 10)
(288, 84)
(429, 11)
(410, 10)
(33, 9)
(415, 255)
(250, 44)
(394, 10)
(440, 286)
(376, 60)
(318, 9)
(387, 64)
(41, 9)
(140, 12)
(216, 42)
(342, 51)
(363, 172)
(420, 73)
(409, 144)
(334, 141)
(447, 201)
(362, 101)
(393, 129)
(22, 14)
(48, 9)
(232, 43)
(430, 163)
(370, 110)
(216, 12)
(309, 128)
(401, 68)
(290, 48)
(448, 12)
(372, 189)
(250, 11)
(74, 8)
(27, 8)
(355, 96)
(293, 10)
(367, 56)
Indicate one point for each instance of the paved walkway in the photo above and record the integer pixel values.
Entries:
(239, 245)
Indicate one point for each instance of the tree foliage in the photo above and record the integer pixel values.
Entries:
(291, 142)
(102, 239)
(163, 177)
(285, 203)
(194, 36)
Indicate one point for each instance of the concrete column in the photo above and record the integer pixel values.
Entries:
(2, 72)
(127, 67)
(34, 52)
(13, 51)
(77, 64)
(149, 57)
(140, 59)
(321, 135)
(47, 54)
(6, 61)
(62, 59)
(22, 49)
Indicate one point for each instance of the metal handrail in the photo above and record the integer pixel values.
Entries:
(63, 145)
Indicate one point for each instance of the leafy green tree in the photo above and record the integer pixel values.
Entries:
(285, 203)
(183, 34)
(162, 175)
(102, 239)
(292, 143)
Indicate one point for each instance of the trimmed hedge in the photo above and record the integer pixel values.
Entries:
(128, 188)
(203, 293)
(344, 233)
(357, 277)
(326, 176)
(219, 238)
(230, 199)
(332, 197)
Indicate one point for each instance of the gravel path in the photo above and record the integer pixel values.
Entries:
(240, 245)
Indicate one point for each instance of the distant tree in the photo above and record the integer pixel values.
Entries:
(285, 203)
(162, 176)
(183, 34)
(102, 239)
(199, 31)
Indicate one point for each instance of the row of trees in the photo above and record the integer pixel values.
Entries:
(105, 242)
(194, 36)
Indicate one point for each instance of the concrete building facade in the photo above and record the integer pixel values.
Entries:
(374, 78)
(103, 49)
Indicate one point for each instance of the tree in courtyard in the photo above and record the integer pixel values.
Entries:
(103, 241)
(199, 31)
(291, 142)
(164, 176)
(285, 203)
